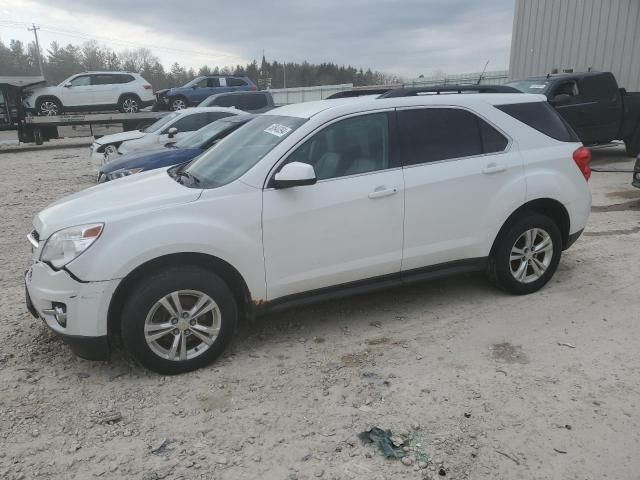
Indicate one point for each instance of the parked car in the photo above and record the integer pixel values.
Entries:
(172, 153)
(593, 105)
(252, 102)
(174, 125)
(92, 91)
(195, 91)
(305, 202)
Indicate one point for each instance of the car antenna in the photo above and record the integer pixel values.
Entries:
(482, 74)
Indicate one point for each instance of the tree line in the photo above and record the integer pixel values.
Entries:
(59, 62)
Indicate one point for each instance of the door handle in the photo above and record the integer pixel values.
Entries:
(382, 192)
(493, 168)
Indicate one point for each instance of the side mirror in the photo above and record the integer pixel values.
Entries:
(561, 99)
(67, 85)
(172, 132)
(295, 174)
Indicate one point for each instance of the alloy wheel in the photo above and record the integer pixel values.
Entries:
(130, 105)
(531, 255)
(179, 104)
(182, 325)
(48, 108)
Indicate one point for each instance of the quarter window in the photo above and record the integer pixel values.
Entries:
(348, 147)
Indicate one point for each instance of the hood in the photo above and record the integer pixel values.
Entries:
(165, 157)
(120, 137)
(31, 93)
(113, 200)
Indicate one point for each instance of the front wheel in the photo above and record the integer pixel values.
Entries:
(178, 319)
(178, 103)
(527, 254)
(48, 107)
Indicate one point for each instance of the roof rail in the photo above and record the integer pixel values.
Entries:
(437, 89)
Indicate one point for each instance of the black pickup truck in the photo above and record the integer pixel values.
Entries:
(592, 104)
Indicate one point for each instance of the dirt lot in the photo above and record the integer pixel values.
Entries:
(480, 384)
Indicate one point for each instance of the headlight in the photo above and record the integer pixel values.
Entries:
(67, 244)
(123, 172)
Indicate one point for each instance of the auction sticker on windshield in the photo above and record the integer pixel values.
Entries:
(277, 130)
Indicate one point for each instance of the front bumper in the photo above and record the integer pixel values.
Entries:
(86, 306)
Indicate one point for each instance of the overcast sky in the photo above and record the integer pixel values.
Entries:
(406, 37)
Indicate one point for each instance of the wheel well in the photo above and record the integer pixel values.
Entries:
(42, 98)
(544, 206)
(128, 94)
(227, 272)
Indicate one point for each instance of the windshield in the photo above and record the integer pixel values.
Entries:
(241, 150)
(530, 86)
(159, 124)
(206, 134)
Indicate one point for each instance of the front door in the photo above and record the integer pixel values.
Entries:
(78, 92)
(348, 226)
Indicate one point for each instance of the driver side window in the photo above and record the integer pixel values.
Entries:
(80, 81)
(352, 146)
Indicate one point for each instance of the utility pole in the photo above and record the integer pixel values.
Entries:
(35, 29)
(284, 71)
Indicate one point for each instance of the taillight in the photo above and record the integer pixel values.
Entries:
(582, 157)
(254, 88)
(147, 87)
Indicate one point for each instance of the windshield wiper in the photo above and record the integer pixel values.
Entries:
(184, 174)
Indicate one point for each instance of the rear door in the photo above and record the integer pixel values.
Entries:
(603, 107)
(104, 89)
(461, 175)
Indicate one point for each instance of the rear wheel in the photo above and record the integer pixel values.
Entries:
(48, 107)
(632, 143)
(178, 319)
(527, 254)
(129, 104)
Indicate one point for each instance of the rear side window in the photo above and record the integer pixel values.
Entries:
(213, 116)
(434, 134)
(191, 122)
(102, 80)
(599, 87)
(235, 82)
(254, 101)
(542, 117)
(226, 101)
(213, 82)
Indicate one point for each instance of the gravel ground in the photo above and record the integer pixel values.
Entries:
(478, 384)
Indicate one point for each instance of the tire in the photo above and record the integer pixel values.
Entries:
(176, 349)
(178, 103)
(38, 136)
(129, 104)
(48, 107)
(632, 143)
(519, 276)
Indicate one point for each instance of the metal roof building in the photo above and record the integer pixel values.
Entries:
(558, 35)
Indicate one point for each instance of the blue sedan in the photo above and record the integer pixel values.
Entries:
(171, 154)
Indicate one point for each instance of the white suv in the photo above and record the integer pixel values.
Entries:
(306, 202)
(93, 91)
